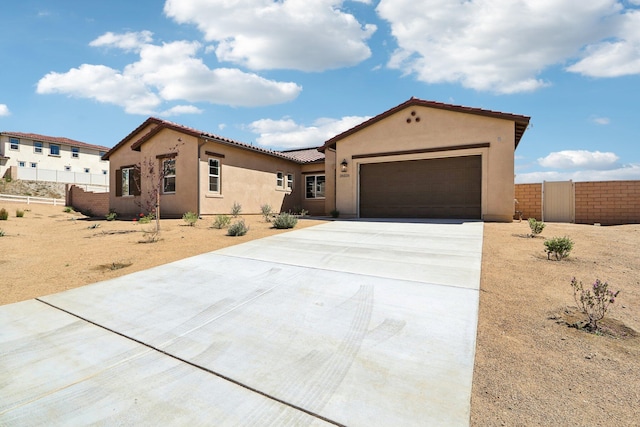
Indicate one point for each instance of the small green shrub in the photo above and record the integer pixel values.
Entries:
(285, 220)
(304, 212)
(146, 219)
(594, 301)
(536, 226)
(4, 215)
(266, 212)
(111, 216)
(238, 228)
(559, 247)
(190, 218)
(19, 213)
(221, 221)
(334, 213)
(1, 232)
(68, 209)
(236, 209)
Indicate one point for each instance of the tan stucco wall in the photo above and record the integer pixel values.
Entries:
(436, 128)
(248, 178)
(166, 141)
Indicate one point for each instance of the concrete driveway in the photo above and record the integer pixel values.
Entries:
(347, 323)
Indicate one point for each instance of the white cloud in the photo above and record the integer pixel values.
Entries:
(4, 110)
(601, 120)
(619, 55)
(181, 109)
(499, 45)
(580, 159)
(102, 84)
(287, 34)
(626, 172)
(131, 41)
(287, 134)
(167, 72)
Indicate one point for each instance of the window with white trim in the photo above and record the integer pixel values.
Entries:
(34, 165)
(75, 152)
(14, 143)
(315, 186)
(22, 164)
(289, 181)
(169, 175)
(37, 147)
(54, 150)
(214, 175)
(280, 180)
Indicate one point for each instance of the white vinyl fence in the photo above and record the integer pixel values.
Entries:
(36, 174)
(30, 199)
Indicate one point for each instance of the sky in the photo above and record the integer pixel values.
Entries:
(286, 74)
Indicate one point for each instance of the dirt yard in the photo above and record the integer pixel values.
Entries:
(531, 369)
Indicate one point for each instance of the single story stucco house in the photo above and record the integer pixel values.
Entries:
(420, 159)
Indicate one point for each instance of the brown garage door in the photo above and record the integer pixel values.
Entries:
(433, 188)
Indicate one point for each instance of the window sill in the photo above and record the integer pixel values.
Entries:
(214, 196)
(54, 155)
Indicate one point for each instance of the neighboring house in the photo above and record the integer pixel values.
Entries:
(419, 159)
(49, 157)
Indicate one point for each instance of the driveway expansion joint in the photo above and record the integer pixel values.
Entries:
(209, 371)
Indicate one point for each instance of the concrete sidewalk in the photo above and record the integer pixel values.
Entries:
(347, 323)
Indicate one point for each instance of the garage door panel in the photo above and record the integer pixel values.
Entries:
(433, 188)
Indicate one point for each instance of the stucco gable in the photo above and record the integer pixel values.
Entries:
(521, 122)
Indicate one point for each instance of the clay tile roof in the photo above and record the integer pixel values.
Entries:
(305, 155)
(56, 140)
(162, 124)
(521, 122)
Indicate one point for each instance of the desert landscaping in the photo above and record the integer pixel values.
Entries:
(531, 367)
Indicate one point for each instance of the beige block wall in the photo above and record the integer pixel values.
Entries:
(87, 201)
(604, 202)
(607, 202)
(529, 197)
(435, 128)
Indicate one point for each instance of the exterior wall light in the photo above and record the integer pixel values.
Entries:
(344, 165)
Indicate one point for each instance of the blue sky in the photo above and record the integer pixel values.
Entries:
(293, 73)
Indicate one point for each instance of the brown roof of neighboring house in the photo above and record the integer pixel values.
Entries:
(165, 124)
(521, 122)
(56, 140)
